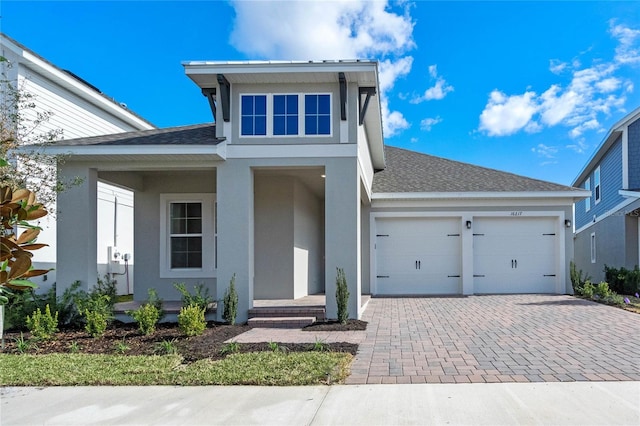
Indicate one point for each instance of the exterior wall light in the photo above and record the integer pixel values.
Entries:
(567, 223)
(468, 224)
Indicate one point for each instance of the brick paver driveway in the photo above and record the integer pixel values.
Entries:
(514, 338)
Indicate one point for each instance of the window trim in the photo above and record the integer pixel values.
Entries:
(301, 115)
(208, 269)
(597, 188)
(593, 247)
(587, 201)
(330, 116)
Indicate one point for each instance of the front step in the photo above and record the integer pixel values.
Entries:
(280, 322)
(288, 311)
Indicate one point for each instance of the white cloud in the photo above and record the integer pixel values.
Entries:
(341, 29)
(436, 92)
(628, 50)
(545, 150)
(504, 115)
(579, 146)
(428, 123)
(591, 92)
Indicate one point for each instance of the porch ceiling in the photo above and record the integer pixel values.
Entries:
(311, 177)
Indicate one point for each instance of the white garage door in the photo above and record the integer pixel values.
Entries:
(418, 256)
(514, 255)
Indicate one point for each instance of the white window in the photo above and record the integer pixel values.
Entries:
(596, 184)
(285, 115)
(587, 201)
(187, 236)
(593, 247)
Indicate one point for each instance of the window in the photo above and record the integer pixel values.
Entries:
(285, 114)
(254, 115)
(187, 236)
(593, 247)
(317, 114)
(587, 201)
(596, 184)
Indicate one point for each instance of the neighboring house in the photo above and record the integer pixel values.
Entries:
(79, 110)
(607, 222)
(293, 181)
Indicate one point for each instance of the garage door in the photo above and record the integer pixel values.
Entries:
(417, 256)
(514, 255)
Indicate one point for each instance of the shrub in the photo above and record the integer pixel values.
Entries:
(96, 323)
(191, 320)
(146, 316)
(20, 305)
(155, 300)
(602, 290)
(108, 287)
(342, 296)
(230, 301)
(200, 297)
(98, 312)
(43, 325)
(614, 299)
(587, 289)
(577, 280)
(623, 280)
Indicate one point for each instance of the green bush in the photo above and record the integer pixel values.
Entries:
(577, 280)
(602, 290)
(146, 316)
(191, 320)
(96, 323)
(107, 286)
(155, 300)
(230, 301)
(342, 296)
(588, 289)
(43, 325)
(626, 281)
(200, 297)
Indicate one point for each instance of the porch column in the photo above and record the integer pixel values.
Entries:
(342, 233)
(76, 240)
(235, 234)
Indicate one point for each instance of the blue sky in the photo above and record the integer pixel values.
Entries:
(526, 87)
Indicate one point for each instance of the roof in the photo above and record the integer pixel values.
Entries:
(198, 134)
(413, 172)
(69, 80)
(612, 136)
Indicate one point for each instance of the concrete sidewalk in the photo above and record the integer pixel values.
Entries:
(577, 403)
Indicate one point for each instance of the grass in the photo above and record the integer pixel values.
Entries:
(255, 368)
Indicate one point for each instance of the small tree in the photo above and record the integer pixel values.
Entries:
(230, 310)
(342, 296)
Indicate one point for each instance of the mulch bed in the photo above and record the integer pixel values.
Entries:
(208, 345)
(335, 325)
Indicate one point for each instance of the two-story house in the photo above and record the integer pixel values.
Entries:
(607, 231)
(78, 109)
(292, 181)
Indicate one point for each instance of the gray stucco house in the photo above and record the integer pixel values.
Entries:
(607, 231)
(293, 181)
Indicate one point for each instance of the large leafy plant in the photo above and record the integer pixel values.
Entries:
(17, 239)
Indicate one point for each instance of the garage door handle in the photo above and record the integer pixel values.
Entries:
(419, 264)
(549, 275)
(382, 276)
(516, 263)
(511, 263)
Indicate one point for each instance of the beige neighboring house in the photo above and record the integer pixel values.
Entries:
(292, 181)
(79, 110)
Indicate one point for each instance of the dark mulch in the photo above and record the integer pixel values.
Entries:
(207, 345)
(335, 325)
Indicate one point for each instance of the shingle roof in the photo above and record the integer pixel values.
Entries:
(409, 171)
(199, 134)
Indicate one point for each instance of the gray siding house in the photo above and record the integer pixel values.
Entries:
(292, 181)
(607, 231)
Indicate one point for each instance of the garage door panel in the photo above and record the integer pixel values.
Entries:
(515, 255)
(418, 255)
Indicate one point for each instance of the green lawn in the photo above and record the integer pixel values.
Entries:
(255, 368)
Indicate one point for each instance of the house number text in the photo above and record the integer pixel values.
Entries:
(516, 213)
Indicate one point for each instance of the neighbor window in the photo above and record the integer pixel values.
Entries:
(317, 114)
(593, 247)
(285, 114)
(187, 236)
(587, 201)
(596, 184)
(254, 115)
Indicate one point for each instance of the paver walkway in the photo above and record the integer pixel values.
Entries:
(505, 338)
(510, 338)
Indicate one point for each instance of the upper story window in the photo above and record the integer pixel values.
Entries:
(587, 201)
(285, 114)
(596, 184)
(317, 114)
(254, 115)
(276, 115)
